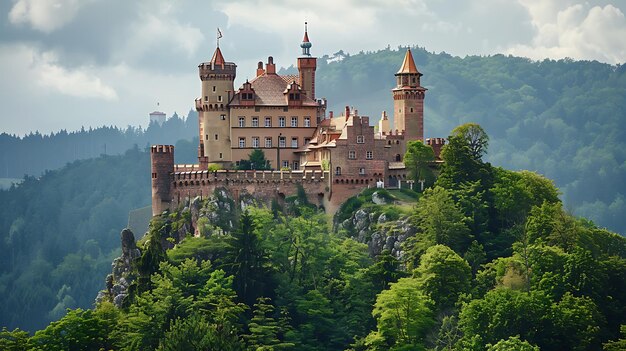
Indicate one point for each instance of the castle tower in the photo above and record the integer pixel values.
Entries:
(218, 77)
(307, 66)
(162, 160)
(408, 100)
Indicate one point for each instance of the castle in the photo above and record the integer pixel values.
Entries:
(332, 157)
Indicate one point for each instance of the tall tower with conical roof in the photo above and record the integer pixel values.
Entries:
(218, 77)
(307, 66)
(408, 100)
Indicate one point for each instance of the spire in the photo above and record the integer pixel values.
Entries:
(306, 44)
(217, 58)
(408, 65)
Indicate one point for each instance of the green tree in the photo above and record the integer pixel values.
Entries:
(440, 221)
(77, 330)
(247, 261)
(16, 340)
(418, 159)
(196, 333)
(265, 329)
(256, 160)
(443, 276)
(475, 137)
(513, 343)
(403, 317)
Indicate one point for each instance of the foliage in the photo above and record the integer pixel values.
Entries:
(443, 276)
(513, 343)
(256, 161)
(403, 316)
(417, 159)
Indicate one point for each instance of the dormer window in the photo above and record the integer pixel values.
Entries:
(247, 96)
(294, 96)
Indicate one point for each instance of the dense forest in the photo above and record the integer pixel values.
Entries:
(60, 232)
(35, 153)
(494, 262)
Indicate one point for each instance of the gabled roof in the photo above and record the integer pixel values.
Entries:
(218, 58)
(408, 65)
(270, 91)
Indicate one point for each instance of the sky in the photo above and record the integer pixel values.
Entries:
(65, 64)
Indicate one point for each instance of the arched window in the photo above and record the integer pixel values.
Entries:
(398, 158)
(338, 171)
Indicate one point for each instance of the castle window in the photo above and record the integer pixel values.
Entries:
(154, 175)
(242, 143)
(242, 121)
(282, 141)
(338, 171)
(223, 117)
(369, 155)
(296, 165)
(294, 121)
(281, 121)
(214, 88)
(294, 142)
(411, 109)
(220, 155)
(216, 136)
(362, 171)
(360, 139)
(268, 122)
(285, 164)
(307, 140)
(219, 98)
(307, 121)
(206, 137)
(352, 154)
(206, 98)
(255, 121)
(255, 142)
(268, 142)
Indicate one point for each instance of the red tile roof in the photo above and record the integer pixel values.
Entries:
(408, 65)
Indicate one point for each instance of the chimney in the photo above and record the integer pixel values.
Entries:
(347, 113)
(259, 70)
(270, 68)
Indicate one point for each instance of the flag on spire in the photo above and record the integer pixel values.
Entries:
(219, 33)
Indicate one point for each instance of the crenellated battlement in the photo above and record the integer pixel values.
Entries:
(437, 144)
(209, 70)
(435, 141)
(162, 149)
(191, 175)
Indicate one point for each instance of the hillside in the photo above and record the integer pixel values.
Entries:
(59, 233)
(485, 259)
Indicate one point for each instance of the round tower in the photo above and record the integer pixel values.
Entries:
(217, 77)
(162, 161)
(307, 66)
(408, 100)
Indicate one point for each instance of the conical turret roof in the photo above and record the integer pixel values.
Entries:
(217, 58)
(408, 65)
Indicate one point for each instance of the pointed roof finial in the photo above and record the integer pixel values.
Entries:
(408, 65)
(306, 44)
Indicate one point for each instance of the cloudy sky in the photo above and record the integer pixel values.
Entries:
(72, 63)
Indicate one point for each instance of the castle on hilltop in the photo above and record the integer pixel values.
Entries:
(332, 156)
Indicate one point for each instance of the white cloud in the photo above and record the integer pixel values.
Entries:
(80, 82)
(45, 15)
(579, 31)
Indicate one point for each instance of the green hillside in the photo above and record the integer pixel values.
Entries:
(60, 232)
